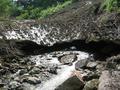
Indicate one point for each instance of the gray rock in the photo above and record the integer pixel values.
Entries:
(14, 85)
(23, 71)
(35, 70)
(90, 75)
(72, 83)
(1, 83)
(81, 64)
(91, 85)
(68, 59)
(109, 80)
(92, 64)
(99, 66)
(32, 80)
(118, 67)
(53, 70)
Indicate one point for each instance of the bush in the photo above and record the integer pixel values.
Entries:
(111, 5)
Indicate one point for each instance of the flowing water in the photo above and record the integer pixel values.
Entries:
(63, 74)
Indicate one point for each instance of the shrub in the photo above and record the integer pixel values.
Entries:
(111, 5)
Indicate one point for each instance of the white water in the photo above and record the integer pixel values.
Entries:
(63, 75)
(58, 80)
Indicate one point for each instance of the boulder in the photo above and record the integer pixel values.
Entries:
(109, 80)
(67, 59)
(92, 65)
(91, 85)
(35, 70)
(81, 64)
(72, 83)
(14, 85)
(32, 80)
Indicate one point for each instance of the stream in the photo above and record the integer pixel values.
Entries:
(64, 73)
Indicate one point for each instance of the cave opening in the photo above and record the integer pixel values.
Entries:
(100, 49)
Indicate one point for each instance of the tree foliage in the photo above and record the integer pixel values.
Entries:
(5, 8)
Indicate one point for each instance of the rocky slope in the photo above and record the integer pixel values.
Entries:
(83, 20)
(82, 26)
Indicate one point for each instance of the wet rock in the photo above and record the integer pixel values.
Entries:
(23, 71)
(73, 48)
(92, 65)
(99, 66)
(53, 70)
(14, 85)
(49, 59)
(114, 59)
(72, 83)
(1, 83)
(3, 71)
(68, 59)
(91, 85)
(90, 75)
(81, 64)
(26, 61)
(35, 70)
(109, 80)
(118, 67)
(32, 80)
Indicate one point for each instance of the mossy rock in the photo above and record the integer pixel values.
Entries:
(91, 85)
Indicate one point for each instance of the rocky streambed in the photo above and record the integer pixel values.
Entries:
(41, 72)
(77, 48)
(69, 69)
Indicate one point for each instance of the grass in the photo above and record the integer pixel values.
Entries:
(53, 9)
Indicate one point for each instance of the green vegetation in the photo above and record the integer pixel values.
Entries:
(5, 8)
(37, 9)
(111, 5)
(30, 9)
(40, 12)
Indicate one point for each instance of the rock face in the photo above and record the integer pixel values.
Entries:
(109, 80)
(12, 48)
